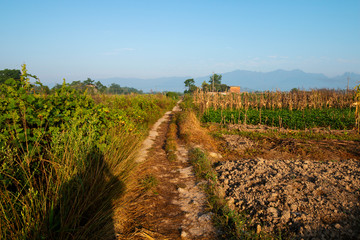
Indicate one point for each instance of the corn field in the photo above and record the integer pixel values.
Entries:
(296, 109)
(296, 100)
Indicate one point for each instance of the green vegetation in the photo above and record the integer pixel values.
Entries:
(66, 156)
(89, 85)
(190, 84)
(93, 87)
(9, 74)
(214, 85)
(173, 95)
(333, 118)
(292, 110)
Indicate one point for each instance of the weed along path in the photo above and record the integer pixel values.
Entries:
(173, 205)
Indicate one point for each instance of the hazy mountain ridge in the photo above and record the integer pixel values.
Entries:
(279, 79)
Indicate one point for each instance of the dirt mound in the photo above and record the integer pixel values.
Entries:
(237, 143)
(306, 198)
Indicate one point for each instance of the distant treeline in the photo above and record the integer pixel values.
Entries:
(214, 85)
(90, 85)
(97, 87)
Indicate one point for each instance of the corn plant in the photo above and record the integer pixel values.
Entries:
(357, 106)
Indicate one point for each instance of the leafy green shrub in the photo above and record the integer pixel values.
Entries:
(173, 95)
(53, 148)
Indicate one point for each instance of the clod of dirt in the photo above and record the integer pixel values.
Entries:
(237, 143)
(309, 199)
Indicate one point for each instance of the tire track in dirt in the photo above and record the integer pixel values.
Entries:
(176, 208)
(153, 133)
(192, 200)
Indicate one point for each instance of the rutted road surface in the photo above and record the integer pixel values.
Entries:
(176, 207)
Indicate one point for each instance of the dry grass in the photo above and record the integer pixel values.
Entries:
(171, 136)
(193, 134)
(315, 99)
(357, 105)
(77, 196)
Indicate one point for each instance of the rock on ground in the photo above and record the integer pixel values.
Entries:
(309, 199)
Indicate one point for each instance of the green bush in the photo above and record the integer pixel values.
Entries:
(173, 95)
(60, 154)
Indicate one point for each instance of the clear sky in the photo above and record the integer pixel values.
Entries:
(152, 38)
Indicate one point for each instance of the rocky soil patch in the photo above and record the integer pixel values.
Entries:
(237, 143)
(264, 128)
(304, 199)
(192, 200)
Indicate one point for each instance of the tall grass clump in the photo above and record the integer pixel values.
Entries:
(191, 131)
(91, 176)
(73, 198)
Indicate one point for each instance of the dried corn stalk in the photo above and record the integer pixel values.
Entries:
(357, 105)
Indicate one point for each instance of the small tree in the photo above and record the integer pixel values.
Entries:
(294, 90)
(9, 73)
(190, 84)
(115, 89)
(89, 81)
(215, 81)
(100, 87)
(215, 84)
(223, 87)
(205, 86)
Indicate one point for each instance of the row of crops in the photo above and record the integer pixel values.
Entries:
(297, 119)
(61, 155)
(293, 110)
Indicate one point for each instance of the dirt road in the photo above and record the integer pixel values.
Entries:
(175, 208)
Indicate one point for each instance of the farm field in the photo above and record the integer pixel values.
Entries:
(303, 185)
(180, 120)
(294, 173)
(270, 165)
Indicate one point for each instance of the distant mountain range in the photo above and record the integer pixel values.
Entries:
(150, 84)
(247, 80)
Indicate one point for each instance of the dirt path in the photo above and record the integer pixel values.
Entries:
(176, 207)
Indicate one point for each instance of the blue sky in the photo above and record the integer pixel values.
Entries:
(147, 39)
